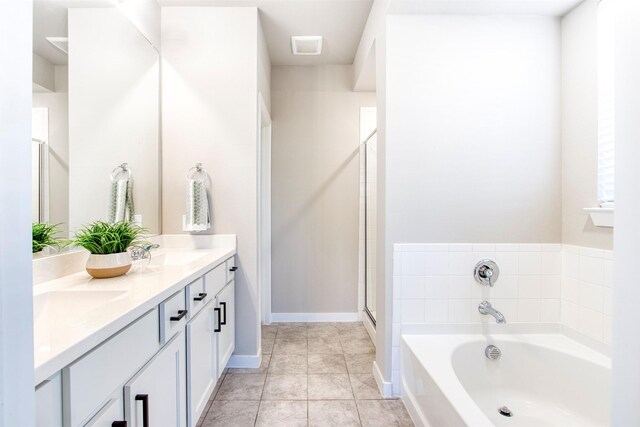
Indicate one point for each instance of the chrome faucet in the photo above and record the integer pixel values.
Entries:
(142, 252)
(486, 308)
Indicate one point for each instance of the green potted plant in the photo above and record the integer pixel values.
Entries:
(107, 244)
(44, 236)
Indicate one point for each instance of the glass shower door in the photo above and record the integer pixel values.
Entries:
(370, 178)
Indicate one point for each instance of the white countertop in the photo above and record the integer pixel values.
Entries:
(75, 313)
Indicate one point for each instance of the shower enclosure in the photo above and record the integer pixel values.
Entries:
(370, 180)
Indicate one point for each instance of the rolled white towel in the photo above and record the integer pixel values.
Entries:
(197, 217)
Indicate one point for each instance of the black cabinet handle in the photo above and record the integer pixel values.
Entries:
(233, 268)
(181, 314)
(224, 315)
(119, 424)
(219, 327)
(145, 408)
(200, 297)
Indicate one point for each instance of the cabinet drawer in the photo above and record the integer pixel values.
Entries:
(173, 316)
(197, 297)
(231, 268)
(215, 280)
(88, 382)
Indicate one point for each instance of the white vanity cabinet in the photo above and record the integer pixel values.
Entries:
(156, 395)
(49, 402)
(202, 361)
(225, 302)
(159, 370)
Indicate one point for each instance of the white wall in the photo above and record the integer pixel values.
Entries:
(17, 407)
(473, 129)
(113, 115)
(626, 294)
(209, 102)
(315, 198)
(580, 128)
(145, 15)
(58, 104)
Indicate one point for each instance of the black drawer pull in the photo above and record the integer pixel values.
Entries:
(119, 424)
(145, 408)
(181, 314)
(219, 327)
(200, 297)
(224, 315)
(233, 268)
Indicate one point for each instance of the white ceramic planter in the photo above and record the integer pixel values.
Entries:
(106, 266)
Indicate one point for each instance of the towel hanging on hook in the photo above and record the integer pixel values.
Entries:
(120, 207)
(197, 217)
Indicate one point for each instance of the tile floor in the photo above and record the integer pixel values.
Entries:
(316, 374)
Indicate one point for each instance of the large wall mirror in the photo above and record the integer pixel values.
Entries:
(96, 117)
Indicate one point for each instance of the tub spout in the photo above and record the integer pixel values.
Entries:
(486, 308)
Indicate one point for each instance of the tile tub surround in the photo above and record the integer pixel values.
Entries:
(587, 282)
(548, 283)
(311, 375)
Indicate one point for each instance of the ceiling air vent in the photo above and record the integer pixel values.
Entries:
(306, 45)
(61, 43)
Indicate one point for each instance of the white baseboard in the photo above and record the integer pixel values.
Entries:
(369, 326)
(314, 317)
(242, 361)
(386, 388)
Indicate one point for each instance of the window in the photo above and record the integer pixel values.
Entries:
(606, 104)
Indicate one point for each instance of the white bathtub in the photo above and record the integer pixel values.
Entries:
(544, 379)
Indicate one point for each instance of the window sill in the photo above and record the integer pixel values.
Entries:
(601, 217)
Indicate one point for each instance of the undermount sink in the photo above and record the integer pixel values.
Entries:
(175, 258)
(63, 305)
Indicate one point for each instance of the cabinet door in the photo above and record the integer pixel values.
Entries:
(227, 326)
(156, 395)
(111, 414)
(201, 362)
(49, 402)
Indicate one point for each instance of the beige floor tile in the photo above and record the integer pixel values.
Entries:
(234, 413)
(269, 331)
(285, 387)
(329, 386)
(357, 346)
(326, 332)
(241, 387)
(354, 333)
(290, 346)
(349, 325)
(331, 413)
(292, 333)
(364, 386)
(264, 366)
(267, 345)
(325, 345)
(327, 364)
(383, 413)
(289, 413)
(288, 364)
(360, 363)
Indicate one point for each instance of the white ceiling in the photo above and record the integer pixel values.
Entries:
(482, 7)
(50, 20)
(339, 22)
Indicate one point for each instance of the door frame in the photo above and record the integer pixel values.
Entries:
(264, 210)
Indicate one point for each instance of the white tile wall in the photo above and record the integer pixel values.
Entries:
(587, 281)
(433, 283)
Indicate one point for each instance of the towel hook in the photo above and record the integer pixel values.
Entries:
(123, 168)
(198, 170)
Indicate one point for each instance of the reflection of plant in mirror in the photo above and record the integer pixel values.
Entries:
(43, 236)
(102, 238)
